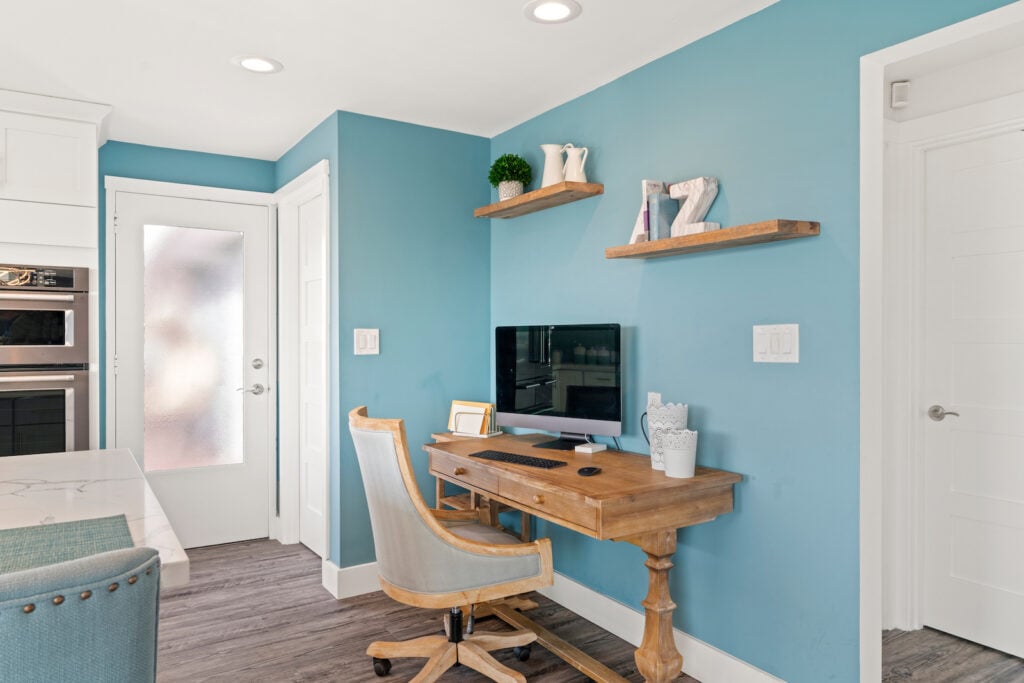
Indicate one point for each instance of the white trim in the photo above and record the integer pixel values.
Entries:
(872, 216)
(321, 169)
(271, 364)
(873, 286)
(216, 194)
(347, 582)
(59, 108)
(314, 181)
(700, 660)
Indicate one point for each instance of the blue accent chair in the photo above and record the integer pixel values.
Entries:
(92, 620)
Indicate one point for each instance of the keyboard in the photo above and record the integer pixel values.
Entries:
(516, 459)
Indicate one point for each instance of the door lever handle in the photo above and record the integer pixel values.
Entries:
(256, 389)
(938, 413)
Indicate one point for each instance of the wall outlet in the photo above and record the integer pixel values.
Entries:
(367, 342)
(776, 343)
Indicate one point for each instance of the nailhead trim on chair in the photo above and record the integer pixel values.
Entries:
(84, 595)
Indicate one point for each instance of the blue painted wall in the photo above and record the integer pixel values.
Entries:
(411, 260)
(415, 263)
(770, 107)
(128, 160)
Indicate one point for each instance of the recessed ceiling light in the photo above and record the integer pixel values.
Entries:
(552, 11)
(259, 65)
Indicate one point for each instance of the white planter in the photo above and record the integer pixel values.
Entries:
(680, 452)
(662, 419)
(507, 189)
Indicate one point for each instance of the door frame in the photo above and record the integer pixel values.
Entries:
(890, 270)
(314, 179)
(114, 184)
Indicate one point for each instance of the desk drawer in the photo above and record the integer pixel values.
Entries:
(456, 470)
(565, 505)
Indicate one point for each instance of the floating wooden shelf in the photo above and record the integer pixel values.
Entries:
(544, 198)
(738, 236)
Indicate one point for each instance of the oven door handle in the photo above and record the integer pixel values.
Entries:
(5, 296)
(37, 378)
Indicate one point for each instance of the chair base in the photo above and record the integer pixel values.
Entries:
(473, 651)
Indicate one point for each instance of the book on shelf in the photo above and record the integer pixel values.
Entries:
(662, 210)
(641, 227)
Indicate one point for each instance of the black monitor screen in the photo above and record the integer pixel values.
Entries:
(559, 371)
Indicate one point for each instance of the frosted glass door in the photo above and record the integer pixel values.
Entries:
(192, 347)
(193, 331)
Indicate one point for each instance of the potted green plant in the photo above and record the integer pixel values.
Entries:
(510, 173)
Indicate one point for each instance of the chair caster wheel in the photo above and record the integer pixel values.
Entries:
(381, 667)
(522, 652)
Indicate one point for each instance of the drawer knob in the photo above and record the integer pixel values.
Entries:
(460, 470)
(538, 499)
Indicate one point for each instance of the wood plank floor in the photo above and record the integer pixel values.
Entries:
(255, 611)
(936, 657)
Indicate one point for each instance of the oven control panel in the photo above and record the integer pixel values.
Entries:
(44, 277)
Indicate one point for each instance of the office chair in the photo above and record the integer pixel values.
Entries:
(91, 619)
(440, 559)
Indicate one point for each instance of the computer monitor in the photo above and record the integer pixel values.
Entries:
(560, 378)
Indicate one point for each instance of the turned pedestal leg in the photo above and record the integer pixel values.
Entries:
(657, 658)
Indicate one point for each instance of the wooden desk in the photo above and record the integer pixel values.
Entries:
(627, 501)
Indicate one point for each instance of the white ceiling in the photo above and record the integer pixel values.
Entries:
(475, 66)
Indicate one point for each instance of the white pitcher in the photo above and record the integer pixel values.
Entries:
(554, 171)
(576, 157)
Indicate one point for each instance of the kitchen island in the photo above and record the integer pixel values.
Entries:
(63, 487)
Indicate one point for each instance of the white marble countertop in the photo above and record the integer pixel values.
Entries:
(62, 487)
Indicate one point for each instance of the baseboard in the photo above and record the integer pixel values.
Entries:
(700, 660)
(346, 582)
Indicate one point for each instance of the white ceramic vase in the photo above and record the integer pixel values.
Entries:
(507, 189)
(575, 158)
(554, 167)
(660, 418)
(679, 452)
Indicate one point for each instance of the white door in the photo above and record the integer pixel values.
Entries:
(192, 345)
(974, 366)
(302, 224)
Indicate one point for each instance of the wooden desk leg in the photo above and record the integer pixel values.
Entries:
(657, 658)
(439, 493)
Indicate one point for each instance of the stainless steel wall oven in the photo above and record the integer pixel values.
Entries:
(44, 359)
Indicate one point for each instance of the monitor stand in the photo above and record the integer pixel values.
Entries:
(566, 441)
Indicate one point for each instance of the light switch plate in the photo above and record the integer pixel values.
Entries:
(367, 342)
(776, 343)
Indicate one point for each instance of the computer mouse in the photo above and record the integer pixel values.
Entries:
(588, 471)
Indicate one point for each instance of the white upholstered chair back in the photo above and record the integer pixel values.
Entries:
(414, 551)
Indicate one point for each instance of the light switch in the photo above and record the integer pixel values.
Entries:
(367, 342)
(776, 343)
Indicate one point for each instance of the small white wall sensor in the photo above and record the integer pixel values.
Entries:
(899, 94)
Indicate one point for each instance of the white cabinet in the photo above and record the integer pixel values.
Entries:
(48, 160)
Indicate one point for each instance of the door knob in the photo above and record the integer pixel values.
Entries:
(256, 389)
(938, 413)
